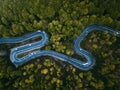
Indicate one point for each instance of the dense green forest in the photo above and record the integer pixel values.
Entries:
(64, 21)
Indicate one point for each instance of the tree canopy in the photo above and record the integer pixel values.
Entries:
(64, 21)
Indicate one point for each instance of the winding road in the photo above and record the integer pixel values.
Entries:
(39, 44)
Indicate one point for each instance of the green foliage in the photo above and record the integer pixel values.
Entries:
(64, 21)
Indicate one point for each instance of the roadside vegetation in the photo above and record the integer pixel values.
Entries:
(64, 21)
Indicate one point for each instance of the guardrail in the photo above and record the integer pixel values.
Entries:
(39, 44)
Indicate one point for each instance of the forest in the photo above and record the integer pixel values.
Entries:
(64, 21)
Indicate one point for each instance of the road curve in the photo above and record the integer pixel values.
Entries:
(39, 44)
